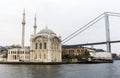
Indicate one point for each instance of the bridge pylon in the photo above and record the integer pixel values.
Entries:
(107, 32)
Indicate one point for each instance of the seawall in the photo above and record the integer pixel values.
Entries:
(56, 63)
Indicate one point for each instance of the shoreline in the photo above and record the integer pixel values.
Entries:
(56, 63)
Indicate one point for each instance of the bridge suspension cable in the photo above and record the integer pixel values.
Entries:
(80, 30)
(88, 25)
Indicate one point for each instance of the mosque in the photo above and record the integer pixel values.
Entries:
(45, 46)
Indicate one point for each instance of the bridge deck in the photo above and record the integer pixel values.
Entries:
(96, 43)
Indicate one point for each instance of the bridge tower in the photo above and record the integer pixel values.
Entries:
(107, 32)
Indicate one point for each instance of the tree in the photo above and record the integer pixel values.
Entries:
(68, 56)
(78, 57)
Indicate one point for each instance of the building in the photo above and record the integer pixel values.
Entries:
(76, 53)
(73, 50)
(18, 54)
(102, 55)
(45, 46)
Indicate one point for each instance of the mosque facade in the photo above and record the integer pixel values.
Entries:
(45, 46)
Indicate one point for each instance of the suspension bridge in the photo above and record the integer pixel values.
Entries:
(108, 42)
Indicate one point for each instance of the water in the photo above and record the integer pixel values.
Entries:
(110, 70)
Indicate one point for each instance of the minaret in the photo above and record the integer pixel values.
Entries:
(35, 26)
(23, 28)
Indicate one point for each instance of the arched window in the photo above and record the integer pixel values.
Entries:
(40, 46)
(45, 45)
(36, 46)
(15, 57)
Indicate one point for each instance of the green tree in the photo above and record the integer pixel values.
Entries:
(79, 57)
(86, 55)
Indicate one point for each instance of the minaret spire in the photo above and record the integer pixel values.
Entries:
(35, 26)
(23, 28)
(23, 22)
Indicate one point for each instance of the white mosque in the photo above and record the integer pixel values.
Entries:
(45, 46)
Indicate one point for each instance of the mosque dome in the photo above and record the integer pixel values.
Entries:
(46, 31)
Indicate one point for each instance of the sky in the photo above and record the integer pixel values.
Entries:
(61, 16)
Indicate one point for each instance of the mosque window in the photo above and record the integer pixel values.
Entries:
(36, 46)
(40, 46)
(45, 46)
(15, 57)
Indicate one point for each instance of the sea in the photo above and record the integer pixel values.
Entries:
(103, 70)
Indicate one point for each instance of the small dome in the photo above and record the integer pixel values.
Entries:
(46, 31)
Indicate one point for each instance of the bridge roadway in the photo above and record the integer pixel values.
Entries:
(96, 43)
